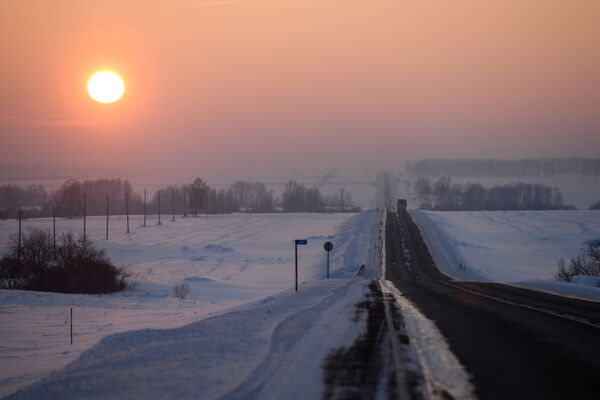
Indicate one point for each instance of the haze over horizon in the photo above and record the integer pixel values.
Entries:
(249, 87)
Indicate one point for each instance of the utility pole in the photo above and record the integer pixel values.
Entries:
(84, 212)
(159, 223)
(127, 209)
(20, 214)
(144, 207)
(173, 196)
(184, 208)
(205, 195)
(106, 216)
(54, 230)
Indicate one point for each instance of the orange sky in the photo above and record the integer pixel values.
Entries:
(234, 87)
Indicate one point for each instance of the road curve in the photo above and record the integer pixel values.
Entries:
(515, 343)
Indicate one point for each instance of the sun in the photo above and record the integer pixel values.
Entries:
(105, 87)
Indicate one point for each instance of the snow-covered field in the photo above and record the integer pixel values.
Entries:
(228, 261)
(518, 247)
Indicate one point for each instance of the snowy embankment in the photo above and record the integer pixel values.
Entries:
(517, 247)
(271, 346)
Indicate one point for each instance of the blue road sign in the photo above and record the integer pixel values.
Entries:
(301, 241)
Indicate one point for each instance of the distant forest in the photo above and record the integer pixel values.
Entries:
(443, 195)
(194, 198)
(524, 167)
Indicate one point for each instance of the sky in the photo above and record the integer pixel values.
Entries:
(249, 87)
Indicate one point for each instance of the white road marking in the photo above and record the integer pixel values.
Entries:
(522, 305)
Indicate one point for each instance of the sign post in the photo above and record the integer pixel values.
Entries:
(296, 243)
(328, 246)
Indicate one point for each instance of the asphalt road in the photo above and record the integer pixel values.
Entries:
(515, 343)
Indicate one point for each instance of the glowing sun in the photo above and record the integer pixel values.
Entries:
(105, 87)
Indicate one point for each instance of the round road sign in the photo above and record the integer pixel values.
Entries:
(328, 246)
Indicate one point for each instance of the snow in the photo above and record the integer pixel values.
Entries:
(234, 262)
(516, 247)
(232, 354)
(587, 280)
(441, 369)
(581, 286)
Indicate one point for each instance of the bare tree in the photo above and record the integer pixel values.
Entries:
(297, 198)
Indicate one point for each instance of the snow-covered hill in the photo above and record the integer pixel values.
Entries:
(517, 247)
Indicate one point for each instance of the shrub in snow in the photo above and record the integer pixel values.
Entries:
(181, 291)
(586, 263)
(595, 206)
(78, 266)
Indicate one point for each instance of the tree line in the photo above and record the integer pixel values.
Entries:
(194, 198)
(443, 195)
(524, 167)
(13, 196)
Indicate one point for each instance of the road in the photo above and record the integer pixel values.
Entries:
(515, 343)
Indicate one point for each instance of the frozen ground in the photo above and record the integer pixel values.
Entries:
(517, 247)
(227, 261)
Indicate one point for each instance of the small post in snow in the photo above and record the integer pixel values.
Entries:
(144, 207)
(296, 243)
(328, 246)
(71, 325)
